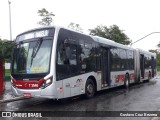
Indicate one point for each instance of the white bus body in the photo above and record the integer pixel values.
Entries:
(56, 63)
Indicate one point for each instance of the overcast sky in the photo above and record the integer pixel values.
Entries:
(136, 17)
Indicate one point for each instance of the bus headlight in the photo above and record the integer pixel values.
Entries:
(12, 83)
(46, 83)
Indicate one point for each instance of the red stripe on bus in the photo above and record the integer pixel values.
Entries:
(122, 77)
(132, 76)
(29, 84)
(119, 78)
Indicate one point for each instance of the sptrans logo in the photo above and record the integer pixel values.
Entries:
(21, 114)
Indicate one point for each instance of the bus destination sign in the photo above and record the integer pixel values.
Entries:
(34, 34)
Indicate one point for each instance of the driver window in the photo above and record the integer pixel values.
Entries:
(67, 54)
(67, 64)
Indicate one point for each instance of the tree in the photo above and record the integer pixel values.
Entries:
(46, 17)
(112, 33)
(75, 26)
(8, 50)
(0, 47)
(158, 45)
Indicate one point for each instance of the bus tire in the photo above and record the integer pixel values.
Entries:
(126, 82)
(90, 89)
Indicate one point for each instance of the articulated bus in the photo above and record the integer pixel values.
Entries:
(55, 62)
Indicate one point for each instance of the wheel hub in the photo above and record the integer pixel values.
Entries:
(90, 89)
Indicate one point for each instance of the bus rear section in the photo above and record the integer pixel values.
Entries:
(147, 65)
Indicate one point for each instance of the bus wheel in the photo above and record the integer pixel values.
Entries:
(126, 82)
(90, 88)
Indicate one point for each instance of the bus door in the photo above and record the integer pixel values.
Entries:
(152, 66)
(142, 66)
(105, 66)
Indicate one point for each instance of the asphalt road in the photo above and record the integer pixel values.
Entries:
(139, 97)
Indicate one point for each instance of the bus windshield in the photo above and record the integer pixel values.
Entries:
(32, 56)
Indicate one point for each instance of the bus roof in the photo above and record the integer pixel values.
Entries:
(95, 38)
(146, 52)
(111, 43)
(39, 28)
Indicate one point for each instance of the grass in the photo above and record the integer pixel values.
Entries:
(158, 68)
(7, 75)
(7, 72)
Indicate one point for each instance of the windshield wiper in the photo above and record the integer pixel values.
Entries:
(36, 49)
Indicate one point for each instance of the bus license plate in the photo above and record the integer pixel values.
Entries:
(27, 95)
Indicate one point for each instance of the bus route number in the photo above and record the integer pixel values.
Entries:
(33, 85)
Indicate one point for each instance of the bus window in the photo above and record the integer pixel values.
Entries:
(147, 60)
(115, 59)
(66, 55)
(130, 60)
(123, 57)
(60, 59)
(86, 52)
(87, 57)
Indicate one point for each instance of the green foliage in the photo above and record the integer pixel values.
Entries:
(7, 72)
(75, 26)
(112, 33)
(8, 50)
(0, 47)
(46, 17)
(158, 68)
(158, 45)
(158, 56)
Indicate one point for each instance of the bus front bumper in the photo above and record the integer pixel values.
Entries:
(44, 93)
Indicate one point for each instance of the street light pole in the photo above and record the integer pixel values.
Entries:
(10, 24)
(143, 38)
